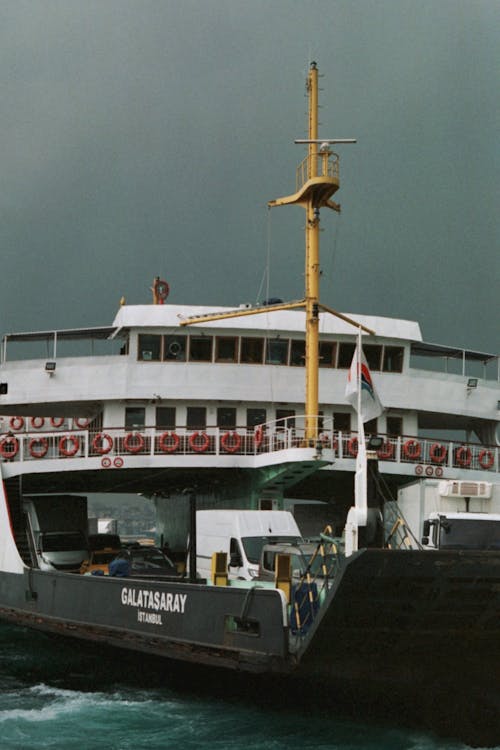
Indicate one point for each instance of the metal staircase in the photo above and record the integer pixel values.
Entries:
(397, 532)
(18, 518)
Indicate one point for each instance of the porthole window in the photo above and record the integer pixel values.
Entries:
(174, 348)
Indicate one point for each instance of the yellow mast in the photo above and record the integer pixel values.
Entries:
(317, 181)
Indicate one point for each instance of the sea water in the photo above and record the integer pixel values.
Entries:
(56, 694)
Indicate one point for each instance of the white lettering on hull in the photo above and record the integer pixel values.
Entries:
(159, 601)
(149, 617)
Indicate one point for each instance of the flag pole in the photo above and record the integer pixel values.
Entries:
(360, 488)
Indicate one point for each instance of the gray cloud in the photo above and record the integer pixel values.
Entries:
(146, 138)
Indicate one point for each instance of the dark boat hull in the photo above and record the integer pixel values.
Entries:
(407, 634)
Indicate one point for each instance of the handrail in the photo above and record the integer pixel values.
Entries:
(428, 456)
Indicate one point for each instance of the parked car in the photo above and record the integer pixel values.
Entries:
(62, 550)
(150, 562)
(103, 549)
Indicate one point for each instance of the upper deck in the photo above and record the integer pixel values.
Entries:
(147, 355)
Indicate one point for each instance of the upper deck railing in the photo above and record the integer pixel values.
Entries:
(421, 456)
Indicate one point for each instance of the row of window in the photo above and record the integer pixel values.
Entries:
(196, 419)
(269, 351)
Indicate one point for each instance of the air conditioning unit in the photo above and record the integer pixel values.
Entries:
(453, 488)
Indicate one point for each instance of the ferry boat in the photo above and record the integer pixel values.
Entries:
(200, 407)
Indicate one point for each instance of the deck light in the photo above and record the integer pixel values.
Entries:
(50, 367)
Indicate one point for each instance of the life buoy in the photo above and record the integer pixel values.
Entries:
(38, 447)
(102, 443)
(352, 447)
(81, 424)
(133, 442)
(412, 450)
(438, 453)
(37, 422)
(386, 451)
(258, 436)
(73, 443)
(17, 423)
(490, 458)
(169, 442)
(57, 421)
(199, 447)
(231, 442)
(9, 446)
(463, 456)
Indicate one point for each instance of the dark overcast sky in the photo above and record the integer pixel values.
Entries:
(145, 138)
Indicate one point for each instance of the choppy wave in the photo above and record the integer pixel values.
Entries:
(56, 697)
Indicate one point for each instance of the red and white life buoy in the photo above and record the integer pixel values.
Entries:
(463, 456)
(438, 453)
(199, 442)
(230, 442)
(38, 447)
(102, 443)
(169, 442)
(37, 422)
(133, 442)
(16, 423)
(57, 421)
(69, 445)
(81, 424)
(9, 446)
(386, 451)
(352, 447)
(412, 450)
(258, 436)
(486, 459)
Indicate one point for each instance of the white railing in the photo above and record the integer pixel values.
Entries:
(429, 456)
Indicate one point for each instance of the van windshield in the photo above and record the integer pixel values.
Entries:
(63, 542)
(469, 534)
(253, 545)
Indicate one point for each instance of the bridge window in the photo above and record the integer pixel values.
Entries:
(297, 353)
(226, 349)
(165, 418)
(255, 417)
(276, 351)
(200, 348)
(226, 417)
(327, 353)
(135, 417)
(174, 348)
(393, 358)
(346, 353)
(371, 427)
(252, 351)
(196, 418)
(394, 426)
(285, 418)
(149, 347)
(341, 421)
(373, 355)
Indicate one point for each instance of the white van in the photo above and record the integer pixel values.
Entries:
(241, 534)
